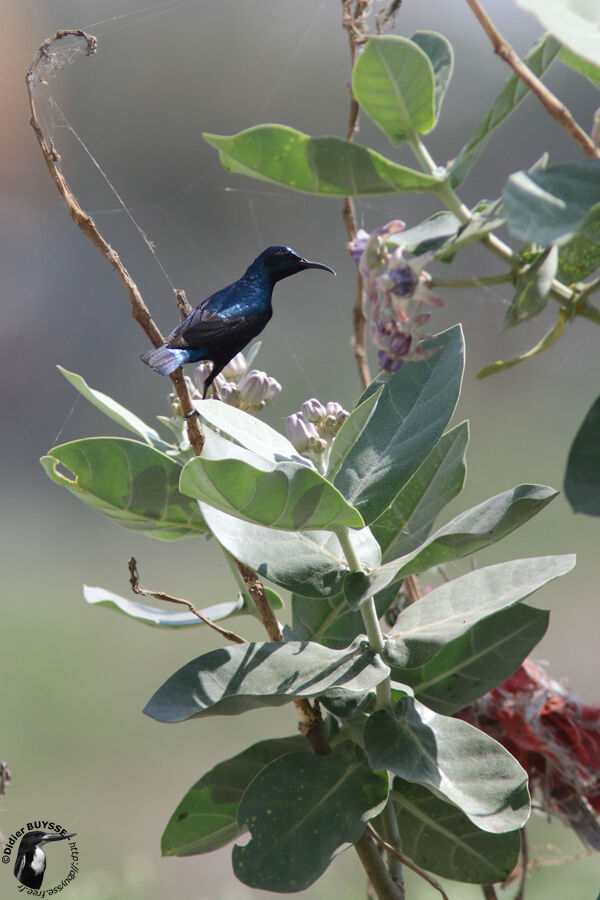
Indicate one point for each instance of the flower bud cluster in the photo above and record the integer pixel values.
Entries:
(397, 287)
(312, 429)
(248, 390)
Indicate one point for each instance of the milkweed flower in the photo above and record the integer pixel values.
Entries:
(397, 287)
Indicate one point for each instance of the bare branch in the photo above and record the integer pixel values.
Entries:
(134, 581)
(552, 104)
(407, 861)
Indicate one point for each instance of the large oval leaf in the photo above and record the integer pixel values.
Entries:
(327, 166)
(393, 80)
(130, 482)
(453, 758)
(440, 838)
(311, 563)
(286, 495)
(574, 22)
(301, 810)
(235, 679)
(582, 479)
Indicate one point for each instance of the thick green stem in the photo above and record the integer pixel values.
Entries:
(392, 835)
(369, 616)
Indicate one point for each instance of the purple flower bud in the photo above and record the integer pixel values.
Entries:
(313, 410)
(273, 390)
(300, 433)
(235, 368)
(357, 247)
(387, 363)
(403, 281)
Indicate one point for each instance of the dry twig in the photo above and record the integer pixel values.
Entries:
(134, 581)
(552, 104)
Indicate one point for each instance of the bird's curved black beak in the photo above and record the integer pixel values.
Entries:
(307, 264)
(56, 837)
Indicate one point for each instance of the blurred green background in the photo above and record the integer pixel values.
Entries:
(74, 679)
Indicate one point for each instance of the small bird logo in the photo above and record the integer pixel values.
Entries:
(222, 325)
(30, 863)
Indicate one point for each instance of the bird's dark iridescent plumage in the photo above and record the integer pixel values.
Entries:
(222, 325)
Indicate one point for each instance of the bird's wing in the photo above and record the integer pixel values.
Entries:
(204, 329)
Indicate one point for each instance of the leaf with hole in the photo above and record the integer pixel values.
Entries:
(130, 482)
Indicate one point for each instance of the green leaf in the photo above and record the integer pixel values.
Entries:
(533, 288)
(235, 679)
(131, 483)
(287, 495)
(478, 527)
(546, 204)
(405, 524)
(459, 762)
(248, 431)
(116, 412)
(351, 428)
(326, 166)
(486, 217)
(549, 340)
(206, 818)
(580, 65)
(582, 479)
(412, 412)
(572, 22)
(310, 563)
(514, 91)
(440, 838)
(580, 256)
(441, 56)
(432, 234)
(449, 611)
(151, 615)
(394, 83)
(302, 810)
(477, 661)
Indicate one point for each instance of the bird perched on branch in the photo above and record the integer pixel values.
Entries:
(225, 322)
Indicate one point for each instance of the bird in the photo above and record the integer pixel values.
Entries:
(30, 863)
(223, 324)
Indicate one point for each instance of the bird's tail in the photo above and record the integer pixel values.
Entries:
(164, 360)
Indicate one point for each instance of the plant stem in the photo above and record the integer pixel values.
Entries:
(369, 616)
(392, 836)
(375, 868)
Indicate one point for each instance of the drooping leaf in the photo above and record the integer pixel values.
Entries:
(440, 838)
(286, 495)
(302, 810)
(514, 91)
(459, 762)
(116, 412)
(130, 482)
(549, 340)
(441, 56)
(326, 166)
(310, 563)
(206, 818)
(573, 22)
(580, 255)
(478, 527)
(412, 412)
(449, 611)
(546, 204)
(432, 234)
(238, 678)
(152, 615)
(405, 524)
(393, 81)
(533, 288)
(477, 661)
(582, 479)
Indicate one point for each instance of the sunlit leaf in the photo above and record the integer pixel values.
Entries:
(580, 255)
(327, 166)
(458, 761)
(574, 22)
(441, 56)
(130, 482)
(238, 678)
